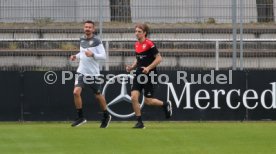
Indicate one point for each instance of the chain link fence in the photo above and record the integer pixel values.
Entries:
(190, 34)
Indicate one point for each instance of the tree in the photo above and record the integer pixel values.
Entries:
(120, 10)
(265, 10)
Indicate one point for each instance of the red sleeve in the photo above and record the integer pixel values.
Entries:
(150, 43)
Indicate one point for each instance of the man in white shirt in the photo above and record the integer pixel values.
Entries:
(91, 52)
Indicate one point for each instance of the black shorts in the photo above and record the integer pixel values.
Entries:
(148, 86)
(81, 81)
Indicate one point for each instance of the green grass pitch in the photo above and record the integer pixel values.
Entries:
(120, 138)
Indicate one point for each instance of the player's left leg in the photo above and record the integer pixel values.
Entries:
(106, 116)
(101, 100)
(150, 100)
(167, 107)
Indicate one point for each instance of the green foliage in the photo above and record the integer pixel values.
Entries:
(13, 46)
(43, 21)
(68, 46)
(211, 21)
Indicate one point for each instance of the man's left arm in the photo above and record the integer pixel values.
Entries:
(157, 61)
(99, 54)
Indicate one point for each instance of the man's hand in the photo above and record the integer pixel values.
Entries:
(129, 68)
(89, 53)
(73, 57)
(145, 70)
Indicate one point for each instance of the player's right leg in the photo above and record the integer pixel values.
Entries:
(78, 102)
(136, 107)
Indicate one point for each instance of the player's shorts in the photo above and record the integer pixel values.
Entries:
(148, 86)
(82, 81)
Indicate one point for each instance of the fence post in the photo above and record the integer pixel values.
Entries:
(217, 55)
(107, 56)
(234, 33)
(75, 11)
(101, 17)
(241, 34)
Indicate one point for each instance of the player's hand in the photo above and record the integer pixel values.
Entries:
(89, 53)
(128, 68)
(73, 57)
(145, 70)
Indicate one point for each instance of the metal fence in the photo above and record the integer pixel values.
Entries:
(157, 11)
(190, 34)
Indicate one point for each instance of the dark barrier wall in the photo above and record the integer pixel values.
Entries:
(26, 96)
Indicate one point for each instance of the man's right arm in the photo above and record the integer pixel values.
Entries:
(74, 57)
(131, 67)
(77, 56)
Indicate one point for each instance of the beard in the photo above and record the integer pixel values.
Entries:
(87, 32)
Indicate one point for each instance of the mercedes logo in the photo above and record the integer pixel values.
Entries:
(123, 97)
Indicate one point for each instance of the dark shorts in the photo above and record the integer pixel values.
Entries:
(82, 82)
(148, 86)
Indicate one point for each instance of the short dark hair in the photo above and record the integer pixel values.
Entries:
(89, 22)
(144, 27)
